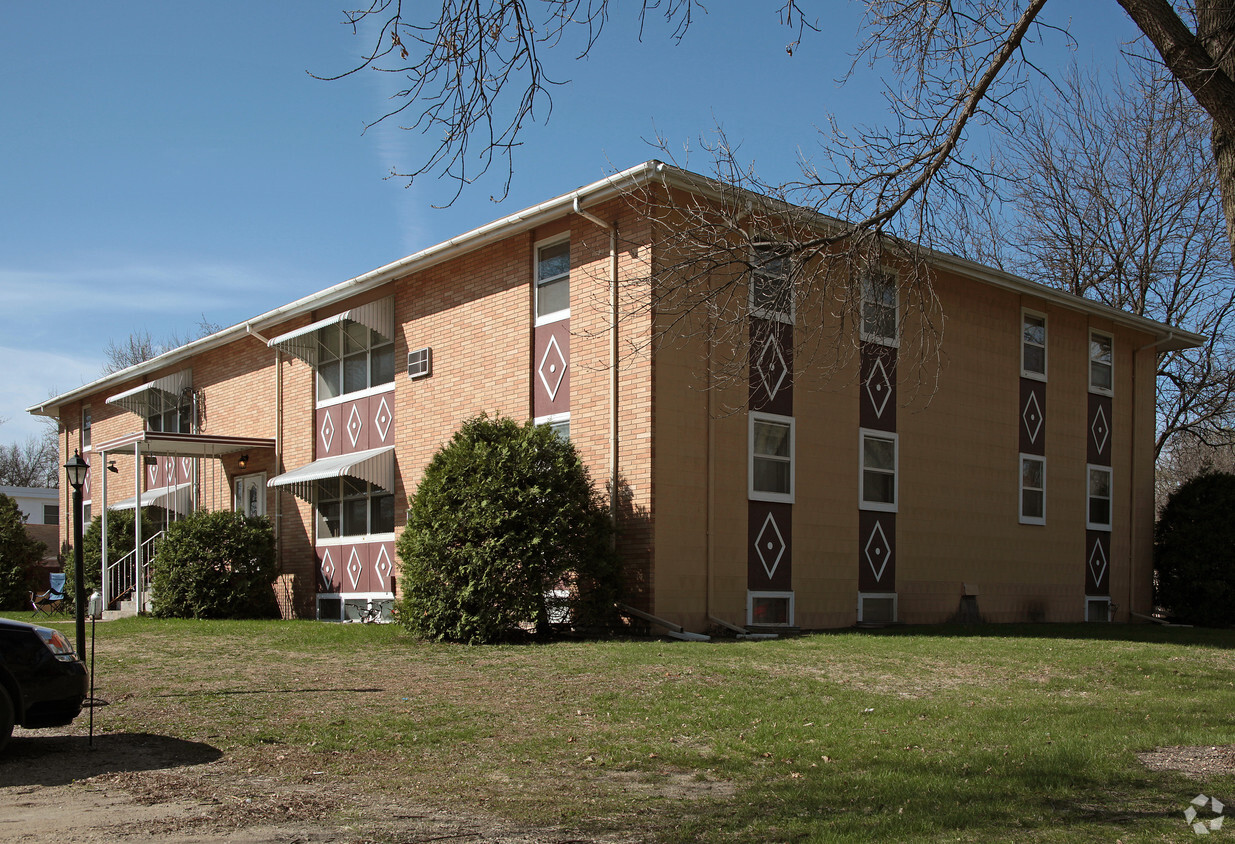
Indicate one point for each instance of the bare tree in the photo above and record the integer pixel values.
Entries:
(33, 463)
(140, 346)
(1113, 197)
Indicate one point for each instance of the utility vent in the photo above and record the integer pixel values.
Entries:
(420, 363)
(877, 609)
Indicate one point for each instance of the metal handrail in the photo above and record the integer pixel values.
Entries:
(122, 574)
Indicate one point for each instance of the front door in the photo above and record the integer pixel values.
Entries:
(251, 494)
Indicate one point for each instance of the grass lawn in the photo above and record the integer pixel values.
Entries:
(985, 733)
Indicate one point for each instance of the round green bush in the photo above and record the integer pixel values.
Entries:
(505, 532)
(216, 564)
(1194, 552)
(18, 552)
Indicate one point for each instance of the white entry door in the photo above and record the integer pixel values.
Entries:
(251, 494)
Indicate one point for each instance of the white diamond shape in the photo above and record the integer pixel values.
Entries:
(879, 387)
(153, 472)
(327, 431)
(327, 566)
(383, 565)
(1097, 561)
(354, 569)
(552, 371)
(773, 373)
(355, 424)
(186, 467)
(383, 418)
(878, 556)
(1100, 430)
(1032, 417)
(771, 542)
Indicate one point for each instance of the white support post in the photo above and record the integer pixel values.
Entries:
(103, 526)
(137, 525)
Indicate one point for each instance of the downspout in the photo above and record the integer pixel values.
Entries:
(1170, 335)
(278, 445)
(137, 525)
(613, 355)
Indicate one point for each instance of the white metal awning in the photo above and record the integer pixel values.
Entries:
(302, 342)
(147, 399)
(177, 498)
(376, 465)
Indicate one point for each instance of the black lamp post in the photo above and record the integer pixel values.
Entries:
(76, 470)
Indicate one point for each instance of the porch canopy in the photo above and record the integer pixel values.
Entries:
(171, 444)
(303, 343)
(150, 398)
(376, 465)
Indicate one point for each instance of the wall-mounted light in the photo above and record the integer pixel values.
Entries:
(244, 460)
(111, 467)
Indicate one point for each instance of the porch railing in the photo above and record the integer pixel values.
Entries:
(122, 574)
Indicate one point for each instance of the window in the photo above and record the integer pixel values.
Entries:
(85, 428)
(877, 607)
(770, 470)
(553, 281)
(352, 507)
(878, 471)
(879, 308)
(1033, 345)
(250, 495)
(51, 514)
(169, 412)
(352, 357)
(1099, 512)
(771, 285)
(1097, 609)
(559, 423)
(419, 363)
(771, 609)
(1033, 490)
(1101, 363)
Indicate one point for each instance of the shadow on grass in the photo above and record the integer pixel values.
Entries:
(228, 692)
(1204, 636)
(1051, 798)
(36, 758)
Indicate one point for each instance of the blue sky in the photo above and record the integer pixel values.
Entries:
(168, 161)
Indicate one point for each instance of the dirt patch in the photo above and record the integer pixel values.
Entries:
(1198, 762)
(137, 787)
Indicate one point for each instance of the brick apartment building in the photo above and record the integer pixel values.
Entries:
(1022, 490)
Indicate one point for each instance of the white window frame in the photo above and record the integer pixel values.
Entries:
(1026, 314)
(867, 288)
(881, 506)
(1110, 500)
(1026, 519)
(786, 278)
(86, 432)
(1110, 338)
(862, 596)
(750, 607)
(537, 281)
(1097, 599)
(554, 421)
(768, 495)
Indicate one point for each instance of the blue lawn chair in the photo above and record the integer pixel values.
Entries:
(54, 601)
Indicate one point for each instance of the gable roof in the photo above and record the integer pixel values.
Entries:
(649, 172)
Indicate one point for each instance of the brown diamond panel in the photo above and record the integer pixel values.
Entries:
(771, 366)
(329, 431)
(769, 546)
(1097, 562)
(1098, 430)
(1033, 417)
(876, 551)
(551, 369)
(329, 568)
(878, 391)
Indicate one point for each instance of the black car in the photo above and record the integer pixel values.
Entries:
(42, 682)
